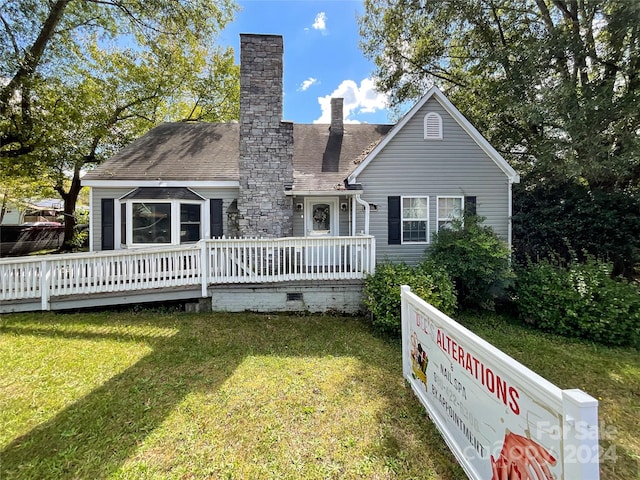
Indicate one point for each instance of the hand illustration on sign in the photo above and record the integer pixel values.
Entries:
(522, 459)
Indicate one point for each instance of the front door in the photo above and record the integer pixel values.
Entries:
(321, 221)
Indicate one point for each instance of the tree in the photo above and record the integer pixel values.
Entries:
(553, 84)
(85, 77)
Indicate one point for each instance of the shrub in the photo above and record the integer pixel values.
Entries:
(581, 300)
(557, 218)
(382, 292)
(477, 260)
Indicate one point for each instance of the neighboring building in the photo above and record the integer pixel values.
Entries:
(31, 211)
(263, 177)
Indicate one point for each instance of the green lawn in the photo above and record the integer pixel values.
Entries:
(174, 395)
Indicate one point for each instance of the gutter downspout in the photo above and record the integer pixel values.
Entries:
(366, 213)
(353, 216)
(510, 215)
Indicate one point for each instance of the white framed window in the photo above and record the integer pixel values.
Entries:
(432, 126)
(150, 222)
(161, 216)
(160, 222)
(415, 219)
(190, 222)
(449, 209)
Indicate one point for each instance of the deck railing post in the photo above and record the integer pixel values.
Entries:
(204, 267)
(372, 255)
(45, 278)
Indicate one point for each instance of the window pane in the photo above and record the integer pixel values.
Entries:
(321, 217)
(414, 231)
(151, 222)
(449, 208)
(414, 208)
(189, 213)
(189, 223)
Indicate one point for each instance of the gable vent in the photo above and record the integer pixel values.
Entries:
(433, 126)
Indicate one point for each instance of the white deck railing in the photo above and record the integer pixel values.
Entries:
(204, 263)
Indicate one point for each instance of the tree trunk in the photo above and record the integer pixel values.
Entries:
(3, 207)
(70, 199)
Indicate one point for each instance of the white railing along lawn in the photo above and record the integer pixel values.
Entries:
(206, 262)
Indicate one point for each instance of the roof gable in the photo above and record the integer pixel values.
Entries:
(437, 95)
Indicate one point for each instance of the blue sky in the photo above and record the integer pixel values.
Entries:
(321, 57)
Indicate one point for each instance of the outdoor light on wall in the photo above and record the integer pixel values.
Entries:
(299, 207)
(343, 206)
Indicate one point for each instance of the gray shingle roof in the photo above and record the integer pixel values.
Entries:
(210, 152)
(176, 151)
(321, 161)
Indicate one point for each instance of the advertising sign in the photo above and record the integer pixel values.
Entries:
(500, 419)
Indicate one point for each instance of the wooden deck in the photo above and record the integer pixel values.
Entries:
(190, 272)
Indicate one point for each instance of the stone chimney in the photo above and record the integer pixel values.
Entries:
(337, 123)
(266, 142)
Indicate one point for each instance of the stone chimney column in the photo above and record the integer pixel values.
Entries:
(266, 142)
(337, 122)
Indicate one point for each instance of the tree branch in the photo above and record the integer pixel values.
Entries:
(33, 56)
(7, 28)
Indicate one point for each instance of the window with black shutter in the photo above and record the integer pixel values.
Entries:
(394, 221)
(108, 226)
(216, 218)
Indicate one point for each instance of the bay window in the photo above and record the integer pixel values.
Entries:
(151, 222)
(161, 216)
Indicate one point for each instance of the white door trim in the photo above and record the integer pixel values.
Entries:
(334, 216)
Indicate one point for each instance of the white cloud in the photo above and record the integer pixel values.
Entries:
(307, 83)
(357, 100)
(320, 22)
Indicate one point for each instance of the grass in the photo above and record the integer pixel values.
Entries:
(172, 395)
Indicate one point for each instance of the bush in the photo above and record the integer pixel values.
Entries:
(559, 218)
(382, 292)
(581, 300)
(477, 260)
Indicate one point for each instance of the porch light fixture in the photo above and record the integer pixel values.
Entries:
(299, 207)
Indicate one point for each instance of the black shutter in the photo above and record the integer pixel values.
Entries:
(215, 217)
(108, 227)
(394, 227)
(469, 205)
